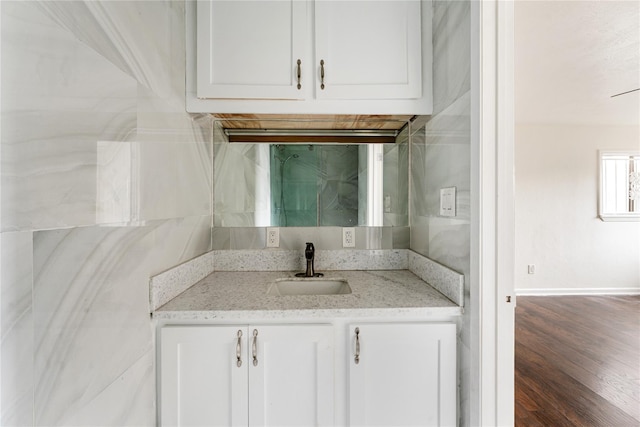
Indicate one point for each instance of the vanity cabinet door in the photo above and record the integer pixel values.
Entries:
(292, 382)
(260, 375)
(201, 383)
(402, 374)
(250, 49)
(368, 50)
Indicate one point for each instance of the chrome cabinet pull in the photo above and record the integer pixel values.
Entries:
(239, 349)
(357, 358)
(254, 347)
(322, 74)
(299, 74)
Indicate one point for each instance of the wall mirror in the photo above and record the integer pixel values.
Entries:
(310, 185)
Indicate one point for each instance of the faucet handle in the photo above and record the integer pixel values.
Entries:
(309, 251)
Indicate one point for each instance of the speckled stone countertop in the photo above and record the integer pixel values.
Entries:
(240, 295)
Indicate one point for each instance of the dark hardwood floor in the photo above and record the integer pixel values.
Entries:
(577, 361)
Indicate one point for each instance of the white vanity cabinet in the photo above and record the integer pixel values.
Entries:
(346, 373)
(246, 375)
(309, 57)
(402, 374)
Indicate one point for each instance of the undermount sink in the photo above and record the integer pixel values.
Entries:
(309, 286)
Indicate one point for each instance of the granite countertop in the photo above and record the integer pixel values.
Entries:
(237, 295)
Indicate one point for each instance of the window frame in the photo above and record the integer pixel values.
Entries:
(617, 216)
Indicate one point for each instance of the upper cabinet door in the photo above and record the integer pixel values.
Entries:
(250, 49)
(291, 381)
(368, 49)
(405, 375)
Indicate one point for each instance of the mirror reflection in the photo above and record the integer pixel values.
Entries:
(287, 185)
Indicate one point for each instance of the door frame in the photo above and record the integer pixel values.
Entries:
(492, 201)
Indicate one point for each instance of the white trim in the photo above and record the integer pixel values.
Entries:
(620, 217)
(613, 216)
(492, 224)
(505, 227)
(577, 291)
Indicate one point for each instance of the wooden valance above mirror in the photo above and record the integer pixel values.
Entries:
(351, 129)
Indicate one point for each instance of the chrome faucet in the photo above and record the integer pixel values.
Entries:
(309, 254)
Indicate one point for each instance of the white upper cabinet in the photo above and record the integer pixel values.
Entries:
(368, 50)
(309, 57)
(251, 49)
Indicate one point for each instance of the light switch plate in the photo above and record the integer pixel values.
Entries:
(448, 201)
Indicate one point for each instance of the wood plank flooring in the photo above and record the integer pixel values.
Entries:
(577, 361)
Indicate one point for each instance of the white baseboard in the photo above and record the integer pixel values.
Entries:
(577, 291)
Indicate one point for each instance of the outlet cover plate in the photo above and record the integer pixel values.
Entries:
(348, 237)
(273, 237)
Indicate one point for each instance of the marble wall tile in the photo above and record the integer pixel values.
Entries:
(91, 314)
(221, 238)
(94, 131)
(137, 37)
(181, 187)
(104, 84)
(451, 52)
(401, 237)
(136, 387)
(178, 240)
(441, 157)
(16, 345)
(55, 108)
(89, 308)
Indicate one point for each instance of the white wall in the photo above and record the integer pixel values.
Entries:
(557, 227)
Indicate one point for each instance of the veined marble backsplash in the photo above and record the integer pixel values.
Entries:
(105, 181)
(168, 285)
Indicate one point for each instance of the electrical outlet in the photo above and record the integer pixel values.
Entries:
(531, 269)
(273, 237)
(348, 237)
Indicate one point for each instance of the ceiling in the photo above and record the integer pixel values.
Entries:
(572, 56)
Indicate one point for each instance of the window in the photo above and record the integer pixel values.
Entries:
(620, 186)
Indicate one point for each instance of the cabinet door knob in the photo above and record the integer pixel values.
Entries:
(357, 358)
(254, 347)
(322, 74)
(299, 74)
(239, 349)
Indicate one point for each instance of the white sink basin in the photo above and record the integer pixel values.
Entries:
(310, 286)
